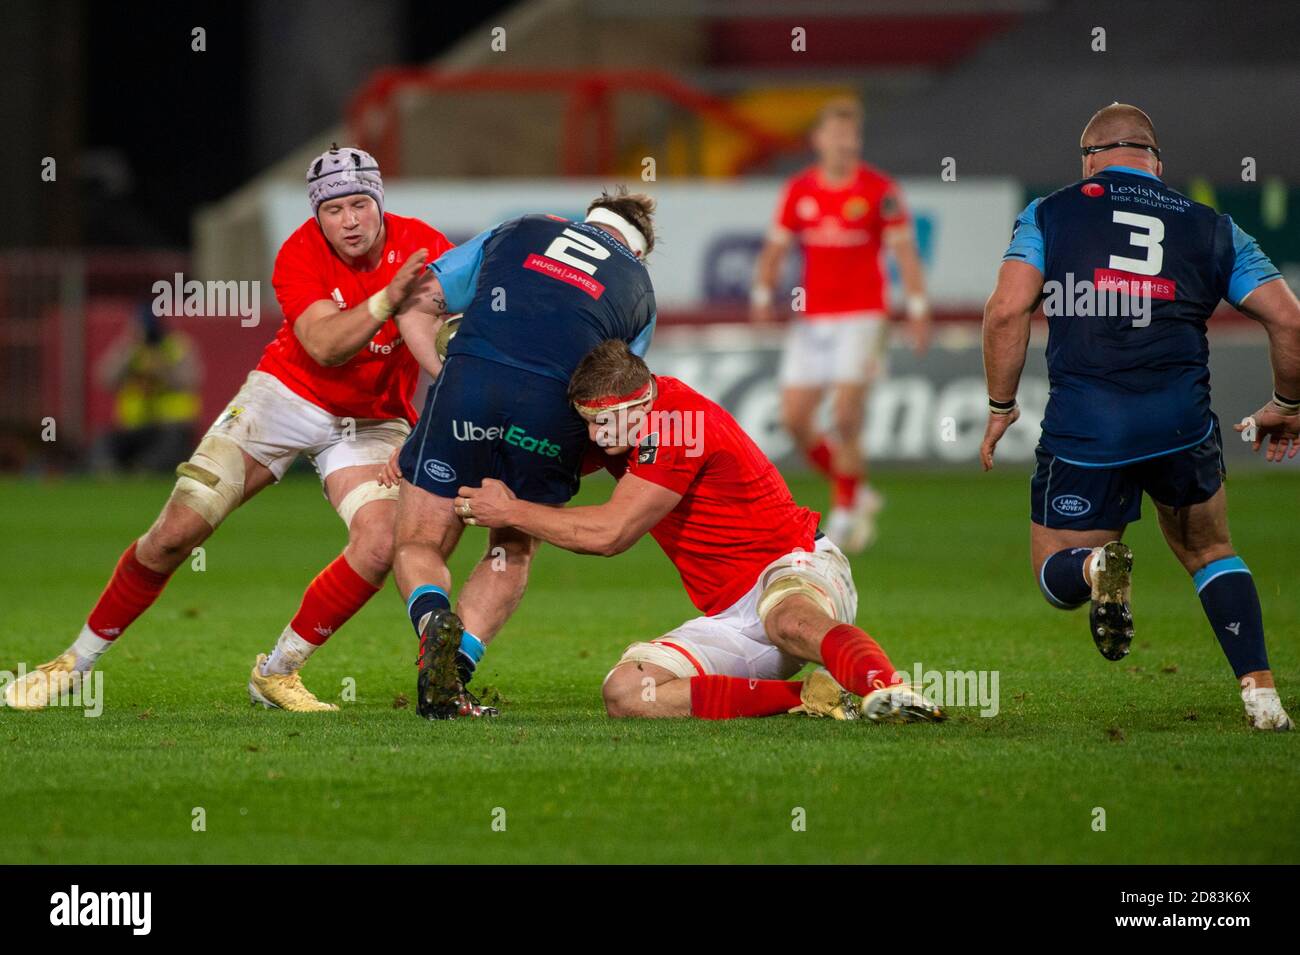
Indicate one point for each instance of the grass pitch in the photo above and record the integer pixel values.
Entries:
(1157, 741)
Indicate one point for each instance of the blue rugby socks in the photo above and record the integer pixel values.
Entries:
(424, 601)
(1061, 578)
(470, 653)
(1227, 592)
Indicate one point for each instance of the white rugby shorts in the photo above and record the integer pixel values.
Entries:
(847, 349)
(733, 642)
(274, 425)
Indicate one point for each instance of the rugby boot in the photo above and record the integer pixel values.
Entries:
(1110, 618)
(900, 704)
(283, 691)
(440, 692)
(47, 683)
(820, 695)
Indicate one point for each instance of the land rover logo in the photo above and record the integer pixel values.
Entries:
(1071, 505)
(440, 472)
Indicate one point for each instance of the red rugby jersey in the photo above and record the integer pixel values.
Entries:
(378, 381)
(840, 230)
(736, 514)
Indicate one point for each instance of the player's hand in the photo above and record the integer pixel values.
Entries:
(390, 475)
(1282, 431)
(997, 427)
(407, 279)
(486, 506)
(764, 314)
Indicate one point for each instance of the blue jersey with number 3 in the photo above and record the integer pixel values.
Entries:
(539, 292)
(1125, 387)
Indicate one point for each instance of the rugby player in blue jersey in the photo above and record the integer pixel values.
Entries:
(1129, 272)
(537, 294)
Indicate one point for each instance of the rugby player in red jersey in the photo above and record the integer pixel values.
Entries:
(335, 384)
(773, 592)
(842, 212)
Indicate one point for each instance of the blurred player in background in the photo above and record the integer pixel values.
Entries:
(775, 592)
(842, 212)
(335, 384)
(537, 294)
(1129, 410)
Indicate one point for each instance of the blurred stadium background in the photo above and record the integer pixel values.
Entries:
(173, 160)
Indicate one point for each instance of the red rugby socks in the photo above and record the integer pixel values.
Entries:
(130, 592)
(855, 660)
(820, 456)
(725, 697)
(331, 599)
(844, 490)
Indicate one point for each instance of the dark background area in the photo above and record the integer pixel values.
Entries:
(150, 128)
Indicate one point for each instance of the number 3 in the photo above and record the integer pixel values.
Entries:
(1149, 239)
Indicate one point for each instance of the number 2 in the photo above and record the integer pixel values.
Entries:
(1149, 239)
(567, 241)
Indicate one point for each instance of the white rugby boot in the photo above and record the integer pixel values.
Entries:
(900, 704)
(1264, 709)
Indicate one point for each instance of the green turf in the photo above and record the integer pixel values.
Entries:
(1157, 741)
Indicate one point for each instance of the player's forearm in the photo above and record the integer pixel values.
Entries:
(767, 267)
(1006, 340)
(902, 245)
(419, 331)
(333, 339)
(583, 530)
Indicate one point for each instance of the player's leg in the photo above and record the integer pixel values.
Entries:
(347, 583)
(706, 668)
(803, 378)
(853, 502)
(806, 605)
(646, 690)
(492, 592)
(426, 535)
(1198, 536)
(857, 361)
(435, 461)
(537, 453)
(799, 404)
(1077, 520)
(218, 478)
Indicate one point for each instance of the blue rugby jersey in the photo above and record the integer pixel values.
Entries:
(540, 291)
(1123, 388)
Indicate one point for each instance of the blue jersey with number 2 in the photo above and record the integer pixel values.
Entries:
(539, 292)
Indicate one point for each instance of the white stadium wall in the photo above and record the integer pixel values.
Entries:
(928, 411)
(708, 230)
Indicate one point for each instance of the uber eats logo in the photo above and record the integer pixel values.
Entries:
(469, 431)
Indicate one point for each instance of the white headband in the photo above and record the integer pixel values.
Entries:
(635, 237)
